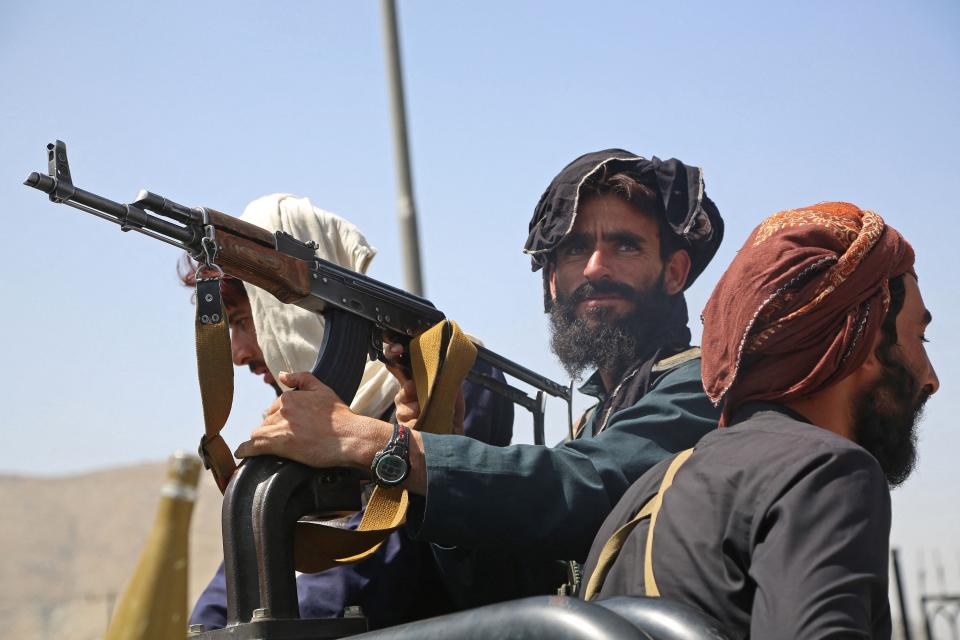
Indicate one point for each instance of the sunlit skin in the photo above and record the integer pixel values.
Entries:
(614, 241)
(831, 408)
(912, 323)
(243, 341)
(312, 425)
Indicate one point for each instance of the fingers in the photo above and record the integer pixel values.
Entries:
(265, 446)
(407, 393)
(407, 406)
(407, 415)
(308, 424)
(246, 449)
(400, 372)
(320, 394)
(393, 350)
(260, 443)
(278, 439)
(304, 381)
(275, 406)
(393, 354)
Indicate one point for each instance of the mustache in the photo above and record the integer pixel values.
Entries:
(601, 287)
(257, 364)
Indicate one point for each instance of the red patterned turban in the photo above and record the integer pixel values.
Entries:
(800, 306)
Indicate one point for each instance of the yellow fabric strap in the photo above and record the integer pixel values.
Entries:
(611, 549)
(317, 546)
(440, 359)
(649, 582)
(215, 370)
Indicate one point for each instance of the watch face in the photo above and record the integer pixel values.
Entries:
(391, 469)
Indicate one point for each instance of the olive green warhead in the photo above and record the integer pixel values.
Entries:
(154, 605)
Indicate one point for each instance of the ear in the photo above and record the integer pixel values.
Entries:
(553, 281)
(871, 368)
(675, 272)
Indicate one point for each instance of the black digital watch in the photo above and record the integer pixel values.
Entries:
(392, 463)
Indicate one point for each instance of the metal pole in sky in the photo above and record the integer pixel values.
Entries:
(413, 280)
(906, 630)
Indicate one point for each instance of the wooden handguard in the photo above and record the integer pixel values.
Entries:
(240, 228)
(285, 277)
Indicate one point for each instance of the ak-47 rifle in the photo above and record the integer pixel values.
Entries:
(267, 496)
(359, 311)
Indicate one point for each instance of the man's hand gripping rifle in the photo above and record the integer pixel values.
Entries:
(359, 312)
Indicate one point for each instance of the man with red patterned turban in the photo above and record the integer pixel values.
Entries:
(778, 525)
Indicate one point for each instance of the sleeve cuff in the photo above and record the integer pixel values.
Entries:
(427, 515)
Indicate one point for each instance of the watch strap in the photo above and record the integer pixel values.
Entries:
(399, 446)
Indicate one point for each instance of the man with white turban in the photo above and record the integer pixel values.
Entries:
(268, 336)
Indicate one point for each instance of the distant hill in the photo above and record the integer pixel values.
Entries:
(69, 545)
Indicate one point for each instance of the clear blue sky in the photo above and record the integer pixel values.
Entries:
(216, 103)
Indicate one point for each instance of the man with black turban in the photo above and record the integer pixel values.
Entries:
(619, 238)
(778, 525)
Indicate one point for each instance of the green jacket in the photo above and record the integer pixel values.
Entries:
(547, 502)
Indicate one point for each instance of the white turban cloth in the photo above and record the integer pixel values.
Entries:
(290, 337)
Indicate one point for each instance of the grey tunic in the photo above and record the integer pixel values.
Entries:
(775, 527)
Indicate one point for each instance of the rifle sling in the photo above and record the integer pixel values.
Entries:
(440, 358)
(611, 549)
(215, 372)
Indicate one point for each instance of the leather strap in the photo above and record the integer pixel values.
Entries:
(215, 372)
(611, 549)
(440, 359)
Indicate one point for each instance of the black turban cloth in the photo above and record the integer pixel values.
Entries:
(692, 216)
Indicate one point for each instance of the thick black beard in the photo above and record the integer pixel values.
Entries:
(594, 340)
(885, 418)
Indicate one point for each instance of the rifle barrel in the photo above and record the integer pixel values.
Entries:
(123, 214)
(523, 374)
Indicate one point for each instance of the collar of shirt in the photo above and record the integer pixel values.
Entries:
(750, 409)
(594, 387)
